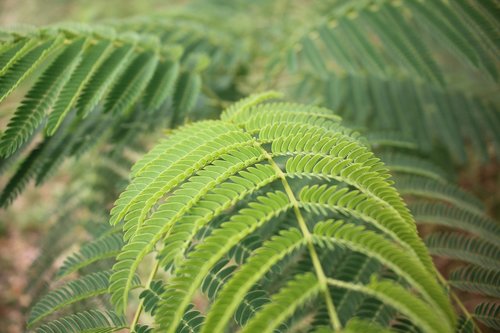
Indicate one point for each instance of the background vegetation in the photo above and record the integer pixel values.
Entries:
(24, 223)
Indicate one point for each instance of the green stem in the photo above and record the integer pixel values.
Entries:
(141, 303)
(322, 279)
(459, 303)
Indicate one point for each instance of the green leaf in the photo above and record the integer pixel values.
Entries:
(91, 59)
(130, 86)
(476, 279)
(74, 291)
(488, 313)
(103, 78)
(24, 65)
(39, 99)
(91, 321)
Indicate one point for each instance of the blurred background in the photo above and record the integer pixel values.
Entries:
(40, 12)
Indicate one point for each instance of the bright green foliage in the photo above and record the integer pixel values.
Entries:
(248, 172)
(225, 169)
(263, 187)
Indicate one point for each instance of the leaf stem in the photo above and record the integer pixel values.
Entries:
(459, 303)
(335, 322)
(141, 303)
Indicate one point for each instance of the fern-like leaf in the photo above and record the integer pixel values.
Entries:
(32, 111)
(74, 291)
(101, 248)
(151, 296)
(462, 247)
(488, 313)
(186, 183)
(86, 322)
(476, 280)
(457, 217)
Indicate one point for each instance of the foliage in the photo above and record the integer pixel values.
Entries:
(271, 216)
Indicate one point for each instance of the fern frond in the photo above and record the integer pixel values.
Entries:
(25, 172)
(32, 111)
(216, 278)
(358, 325)
(376, 246)
(249, 170)
(131, 84)
(409, 164)
(465, 325)
(231, 232)
(36, 165)
(461, 247)
(252, 302)
(162, 84)
(452, 29)
(367, 60)
(225, 196)
(88, 321)
(241, 251)
(182, 135)
(74, 291)
(476, 280)
(21, 67)
(96, 67)
(376, 311)
(231, 210)
(357, 268)
(69, 93)
(265, 257)
(428, 188)
(399, 298)
(11, 52)
(185, 96)
(457, 217)
(298, 291)
(209, 144)
(103, 79)
(482, 25)
(247, 103)
(488, 313)
(321, 199)
(151, 296)
(191, 321)
(101, 248)
(175, 207)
